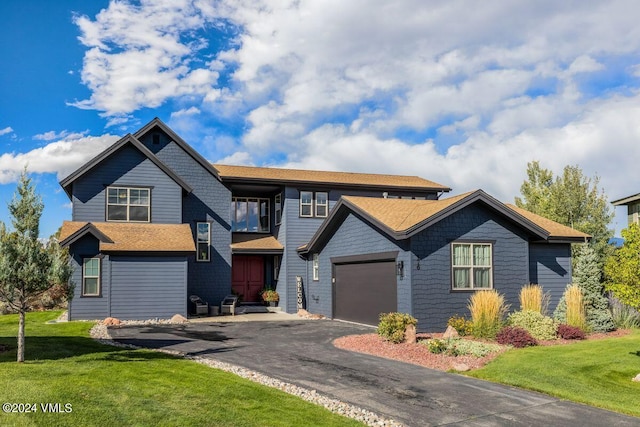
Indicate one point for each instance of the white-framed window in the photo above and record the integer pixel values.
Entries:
(472, 265)
(322, 204)
(278, 207)
(250, 214)
(128, 204)
(203, 241)
(276, 267)
(316, 267)
(306, 203)
(91, 277)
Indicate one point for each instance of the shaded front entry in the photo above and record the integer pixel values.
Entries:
(363, 290)
(247, 276)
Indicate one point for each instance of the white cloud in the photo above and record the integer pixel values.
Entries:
(51, 135)
(6, 130)
(60, 157)
(140, 56)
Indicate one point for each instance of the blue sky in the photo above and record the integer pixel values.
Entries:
(437, 89)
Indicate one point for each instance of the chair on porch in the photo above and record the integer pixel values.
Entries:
(199, 306)
(228, 305)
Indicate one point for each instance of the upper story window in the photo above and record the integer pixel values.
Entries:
(250, 214)
(314, 204)
(278, 208)
(203, 240)
(322, 204)
(471, 266)
(128, 204)
(91, 277)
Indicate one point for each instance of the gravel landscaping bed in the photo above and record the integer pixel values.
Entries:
(418, 354)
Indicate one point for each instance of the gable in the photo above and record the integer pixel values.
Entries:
(126, 142)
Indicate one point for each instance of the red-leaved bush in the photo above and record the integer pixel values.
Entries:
(568, 332)
(515, 336)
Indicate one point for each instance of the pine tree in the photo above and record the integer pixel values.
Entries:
(587, 275)
(27, 267)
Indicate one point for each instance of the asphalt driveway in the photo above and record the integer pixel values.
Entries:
(301, 353)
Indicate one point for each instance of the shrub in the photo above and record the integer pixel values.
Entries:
(533, 298)
(487, 312)
(540, 327)
(462, 325)
(437, 346)
(515, 336)
(393, 325)
(270, 295)
(574, 300)
(460, 347)
(568, 332)
(624, 316)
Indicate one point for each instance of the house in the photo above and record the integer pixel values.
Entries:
(633, 207)
(153, 222)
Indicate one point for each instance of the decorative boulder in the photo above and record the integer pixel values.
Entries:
(451, 332)
(177, 318)
(461, 367)
(636, 378)
(410, 334)
(111, 321)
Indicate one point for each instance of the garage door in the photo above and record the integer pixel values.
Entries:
(364, 290)
(148, 287)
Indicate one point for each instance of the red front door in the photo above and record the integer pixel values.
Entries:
(247, 276)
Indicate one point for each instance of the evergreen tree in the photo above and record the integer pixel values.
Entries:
(27, 267)
(587, 275)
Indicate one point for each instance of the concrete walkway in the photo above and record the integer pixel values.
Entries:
(300, 352)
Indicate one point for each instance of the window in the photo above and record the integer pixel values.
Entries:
(322, 204)
(91, 277)
(306, 203)
(250, 215)
(203, 241)
(278, 203)
(471, 264)
(128, 204)
(316, 267)
(276, 267)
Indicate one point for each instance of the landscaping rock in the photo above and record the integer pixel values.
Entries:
(410, 334)
(177, 318)
(304, 313)
(451, 332)
(111, 321)
(461, 367)
(636, 378)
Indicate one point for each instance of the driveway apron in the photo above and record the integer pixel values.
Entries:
(301, 353)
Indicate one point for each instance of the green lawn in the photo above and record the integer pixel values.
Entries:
(109, 386)
(594, 372)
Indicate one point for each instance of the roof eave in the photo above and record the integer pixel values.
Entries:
(88, 228)
(626, 200)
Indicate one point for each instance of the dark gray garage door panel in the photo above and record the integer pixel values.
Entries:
(364, 290)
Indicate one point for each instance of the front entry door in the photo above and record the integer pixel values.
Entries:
(247, 276)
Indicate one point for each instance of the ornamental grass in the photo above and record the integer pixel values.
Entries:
(533, 298)
(576, 313)
(487, 310)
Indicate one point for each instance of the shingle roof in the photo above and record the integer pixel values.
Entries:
(554, 229)
(255, 243)
(321, 177)
(401, 214)
(132, 237)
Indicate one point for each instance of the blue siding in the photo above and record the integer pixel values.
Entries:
(433, 300)
(209, 201)
(127, 167)
(148, 287)
(300, 230)
(88, 307)
(550, 267)
(355, 236)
